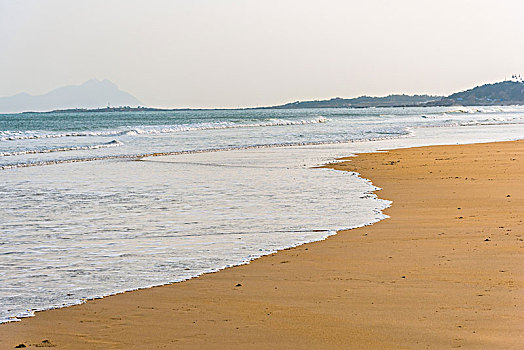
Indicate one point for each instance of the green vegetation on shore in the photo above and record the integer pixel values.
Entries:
(502, 93)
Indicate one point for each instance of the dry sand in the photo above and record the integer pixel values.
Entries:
(445, 271)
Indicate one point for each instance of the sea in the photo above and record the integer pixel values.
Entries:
(98, 203)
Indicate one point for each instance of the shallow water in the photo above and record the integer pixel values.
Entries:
(75, 231)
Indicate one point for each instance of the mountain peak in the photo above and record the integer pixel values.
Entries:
(95, 81)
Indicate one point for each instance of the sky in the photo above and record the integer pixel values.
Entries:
(238, 53)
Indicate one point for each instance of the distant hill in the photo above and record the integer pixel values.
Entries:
(92, 94)
(502, 93)
(364, 101)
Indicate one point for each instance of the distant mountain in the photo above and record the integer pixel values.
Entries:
(502, 93)
(364, 101)
(92, 94)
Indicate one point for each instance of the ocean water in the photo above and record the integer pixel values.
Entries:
(99, 203)
(43, 138)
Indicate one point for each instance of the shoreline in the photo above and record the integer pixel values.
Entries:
(300, 301)
(246, 261)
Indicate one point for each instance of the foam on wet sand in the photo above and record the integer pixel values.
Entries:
(445, 270)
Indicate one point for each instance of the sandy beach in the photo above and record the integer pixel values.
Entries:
(444, 271)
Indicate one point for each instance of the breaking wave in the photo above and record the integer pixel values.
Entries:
(157, 129)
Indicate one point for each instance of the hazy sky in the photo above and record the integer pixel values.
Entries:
(227, 53)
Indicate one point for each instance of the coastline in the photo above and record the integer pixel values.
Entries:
(425, 277)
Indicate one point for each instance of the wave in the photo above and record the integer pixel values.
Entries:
(156, 129)
(110, 144)
(466, 110)
(485, 109)
(484, 122)
(480, 109)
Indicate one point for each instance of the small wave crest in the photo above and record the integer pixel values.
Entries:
(110, 144)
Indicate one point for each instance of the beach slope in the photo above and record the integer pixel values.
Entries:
(444, 271)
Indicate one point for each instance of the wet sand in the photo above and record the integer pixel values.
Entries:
(445, 271)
